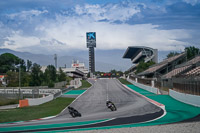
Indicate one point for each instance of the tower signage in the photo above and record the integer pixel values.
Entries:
(91, 39)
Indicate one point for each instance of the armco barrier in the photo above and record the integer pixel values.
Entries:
(148, 88)
(38, 101)
(185, 98)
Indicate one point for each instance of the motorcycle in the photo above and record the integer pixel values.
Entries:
(73, 112)
(111, 106)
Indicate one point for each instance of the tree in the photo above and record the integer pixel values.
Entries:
(8, 62)
(113, 71)
(171, 54)
(62, 76)
(13, 79)
(50, 73)
(22, 65)
(192, 52)
(25, 79)
(29, 64)
(143, 66)
(36, 75)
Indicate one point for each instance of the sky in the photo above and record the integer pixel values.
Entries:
(58, 26)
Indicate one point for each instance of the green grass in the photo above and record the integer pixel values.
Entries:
(5, 101)
(34, 112)
(85, 85)
(124, 81)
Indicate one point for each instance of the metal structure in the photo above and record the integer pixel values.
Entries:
(138, 53)
(91, 43)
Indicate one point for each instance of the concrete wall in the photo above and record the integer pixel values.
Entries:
(145, 87)
(38, 101)
(185, 98)
(29, 91)
(76, 83)
(60, 84)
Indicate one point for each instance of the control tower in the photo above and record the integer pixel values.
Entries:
(91, 44)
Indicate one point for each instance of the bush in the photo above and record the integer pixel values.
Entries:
(51, 84)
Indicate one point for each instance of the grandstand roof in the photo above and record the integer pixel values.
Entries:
(137, 53)
(161, 65)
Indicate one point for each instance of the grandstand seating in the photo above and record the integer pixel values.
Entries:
(193, 72)
(162, 64)
(175, 72)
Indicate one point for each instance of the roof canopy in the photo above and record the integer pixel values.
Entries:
(138, 53)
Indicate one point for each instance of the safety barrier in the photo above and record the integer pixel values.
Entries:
(145, 87)
(23, 103)
(185, 98)
(38, 101)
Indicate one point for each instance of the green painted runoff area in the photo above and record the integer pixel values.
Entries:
(176, 112)
(74, 92)
(7, 129)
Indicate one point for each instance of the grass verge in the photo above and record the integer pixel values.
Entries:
(124, 81)
(85, 85)
(34, 112)
(5, 101)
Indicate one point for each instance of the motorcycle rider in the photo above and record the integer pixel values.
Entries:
(73, 112)
(111, 106)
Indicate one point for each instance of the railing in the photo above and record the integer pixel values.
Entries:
(145, 81)
(189, 85)
(151, 82)
(132, 78)
(158, 84)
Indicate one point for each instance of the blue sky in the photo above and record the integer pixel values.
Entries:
(49, 26)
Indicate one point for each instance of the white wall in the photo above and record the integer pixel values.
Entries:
(29, 91)
(76, 82)
(145, 87)
(38, 101)
(185, 98)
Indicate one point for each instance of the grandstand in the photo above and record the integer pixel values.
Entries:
(163, 67)
(175, 73)
(139, 53)
(193, 72)
(182, 68)
(189, 81)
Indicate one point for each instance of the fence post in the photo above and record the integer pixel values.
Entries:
(152, 83)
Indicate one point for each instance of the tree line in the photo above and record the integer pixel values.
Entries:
(29, 73)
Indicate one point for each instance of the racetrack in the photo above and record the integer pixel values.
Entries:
(131, 108)
(92, 105)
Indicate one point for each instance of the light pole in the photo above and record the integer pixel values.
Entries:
(19, 80)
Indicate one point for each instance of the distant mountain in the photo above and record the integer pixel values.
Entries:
(105, 60)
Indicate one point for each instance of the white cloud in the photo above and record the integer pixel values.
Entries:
(68, 32)
(17, 41)
(109, 12)
(71, 32)
(24, 14)
(192, 2)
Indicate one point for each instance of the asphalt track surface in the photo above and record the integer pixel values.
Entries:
(131, 108)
